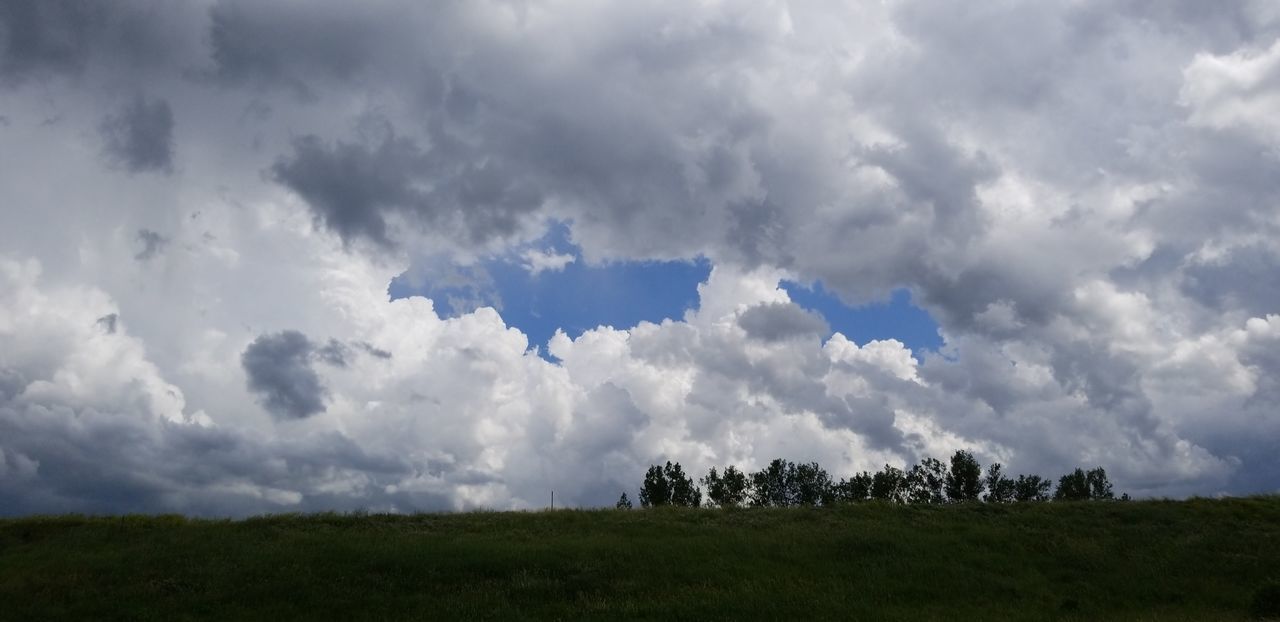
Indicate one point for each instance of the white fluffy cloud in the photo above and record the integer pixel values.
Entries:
(1083, 194)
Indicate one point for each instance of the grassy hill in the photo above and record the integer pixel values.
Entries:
(1153, 560)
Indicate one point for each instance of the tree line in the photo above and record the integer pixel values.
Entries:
(785, 484)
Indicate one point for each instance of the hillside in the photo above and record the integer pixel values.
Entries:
(1178, 560)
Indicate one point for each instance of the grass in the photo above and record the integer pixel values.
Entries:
(1153, 560)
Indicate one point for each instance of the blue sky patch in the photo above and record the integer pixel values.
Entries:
(895, 319)
(577, 297)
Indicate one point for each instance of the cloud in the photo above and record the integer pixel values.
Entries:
(139, 136)
(152, 244)
(279, 370)
(1081, 194)
(536, 261)
(778, 321)
(45, 36)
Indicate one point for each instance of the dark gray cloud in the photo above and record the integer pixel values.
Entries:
(139, 136)
(351, 188)
(38, 37)
(152, 244)
(11, 383)
(777, 321)
(354, 189)
(278, 367)
(273, 46)
(56, 460)
(108, 323)
(334, 353)
(373, 351)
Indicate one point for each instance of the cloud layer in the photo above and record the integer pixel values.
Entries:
(1082, 194)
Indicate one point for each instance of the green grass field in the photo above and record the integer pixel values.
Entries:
(1153, 560)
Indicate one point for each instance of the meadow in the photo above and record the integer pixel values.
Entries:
(1197, 559)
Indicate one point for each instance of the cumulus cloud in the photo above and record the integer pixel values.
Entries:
(1082, 194)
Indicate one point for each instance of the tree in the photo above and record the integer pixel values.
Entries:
(656, 490)
(808, 484)
(1099, 485)
(1073, 486)
(683, 492)
(1031, 488)
(925, 482)
(1000, 489)
(668, 485)
(623, 502)
(769, 485)
(889, 485)
(964, 482)
(727, 490)
(853, 490)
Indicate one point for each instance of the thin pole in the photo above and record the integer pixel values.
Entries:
(553, 499)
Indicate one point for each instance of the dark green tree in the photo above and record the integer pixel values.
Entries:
(1000, 489)
(727, 490)
(855, 489)
(683, 491)
(889, 484)
(623, 502)
(769, 485)
(1099, 485)
(925, 482)
(655, 490)
(1073, 486)
(808, 484)
(964, 482)
(1031, 488)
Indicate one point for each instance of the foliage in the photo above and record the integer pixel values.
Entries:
(1099, 485)
(1031, 488)
(783, 484)
(623, 502)
(1000, 489)
(727, 490)
(964, 481)
(1081, 485)
(925, 482)
(855, 489)
(683, 492)
(809, 484)
(889, 484)
(655, 490)
(668, 485)
(769, 485)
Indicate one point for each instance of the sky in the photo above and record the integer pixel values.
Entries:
(399, 256)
